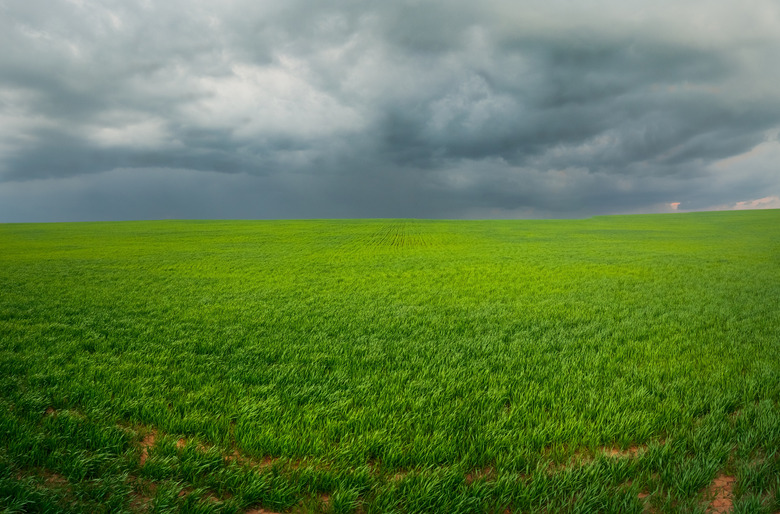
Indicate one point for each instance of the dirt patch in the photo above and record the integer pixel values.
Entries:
(50, 411)
(146, 443)
(212, 498)
(265, 462)
(182, 442)
(139, 502)
(400, 475)
(52, 479)
(628, 453)
(583, 457)
(209, 497)
(644, 497)
(259, 511)
(722, 492)
(484, 473)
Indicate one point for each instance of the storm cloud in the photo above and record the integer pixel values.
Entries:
(246, 109)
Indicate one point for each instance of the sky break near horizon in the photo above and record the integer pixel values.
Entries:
(117, 110)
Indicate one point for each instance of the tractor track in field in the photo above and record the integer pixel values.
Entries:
(398, 235)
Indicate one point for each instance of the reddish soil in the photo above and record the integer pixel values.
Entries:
(486, 472)
(399, 476)
(267, 461)
(722, 490)
(139, 502)
(146, 443)
(54, 479)
(584, 456)
(630, 452)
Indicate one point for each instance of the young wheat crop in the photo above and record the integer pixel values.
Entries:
(615, 364)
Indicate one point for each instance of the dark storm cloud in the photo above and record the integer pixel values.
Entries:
(427, 109)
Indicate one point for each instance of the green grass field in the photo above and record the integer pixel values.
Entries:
(614, 364)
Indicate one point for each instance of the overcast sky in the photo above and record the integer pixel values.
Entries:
(446, 109)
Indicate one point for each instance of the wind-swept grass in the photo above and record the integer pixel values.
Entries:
(611, 364)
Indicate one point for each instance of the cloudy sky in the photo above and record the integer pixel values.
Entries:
(446, 109)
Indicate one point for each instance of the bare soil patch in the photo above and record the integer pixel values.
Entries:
(53, 479)
(722, 492)
(484, 473)
(146, 443)
(630, 452)
(139, 502)
(399, 476)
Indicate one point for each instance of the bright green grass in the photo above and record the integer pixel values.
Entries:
(391, 365)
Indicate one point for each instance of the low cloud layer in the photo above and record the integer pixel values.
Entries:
(137, 110)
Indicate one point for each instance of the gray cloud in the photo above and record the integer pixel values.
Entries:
(113, 110)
